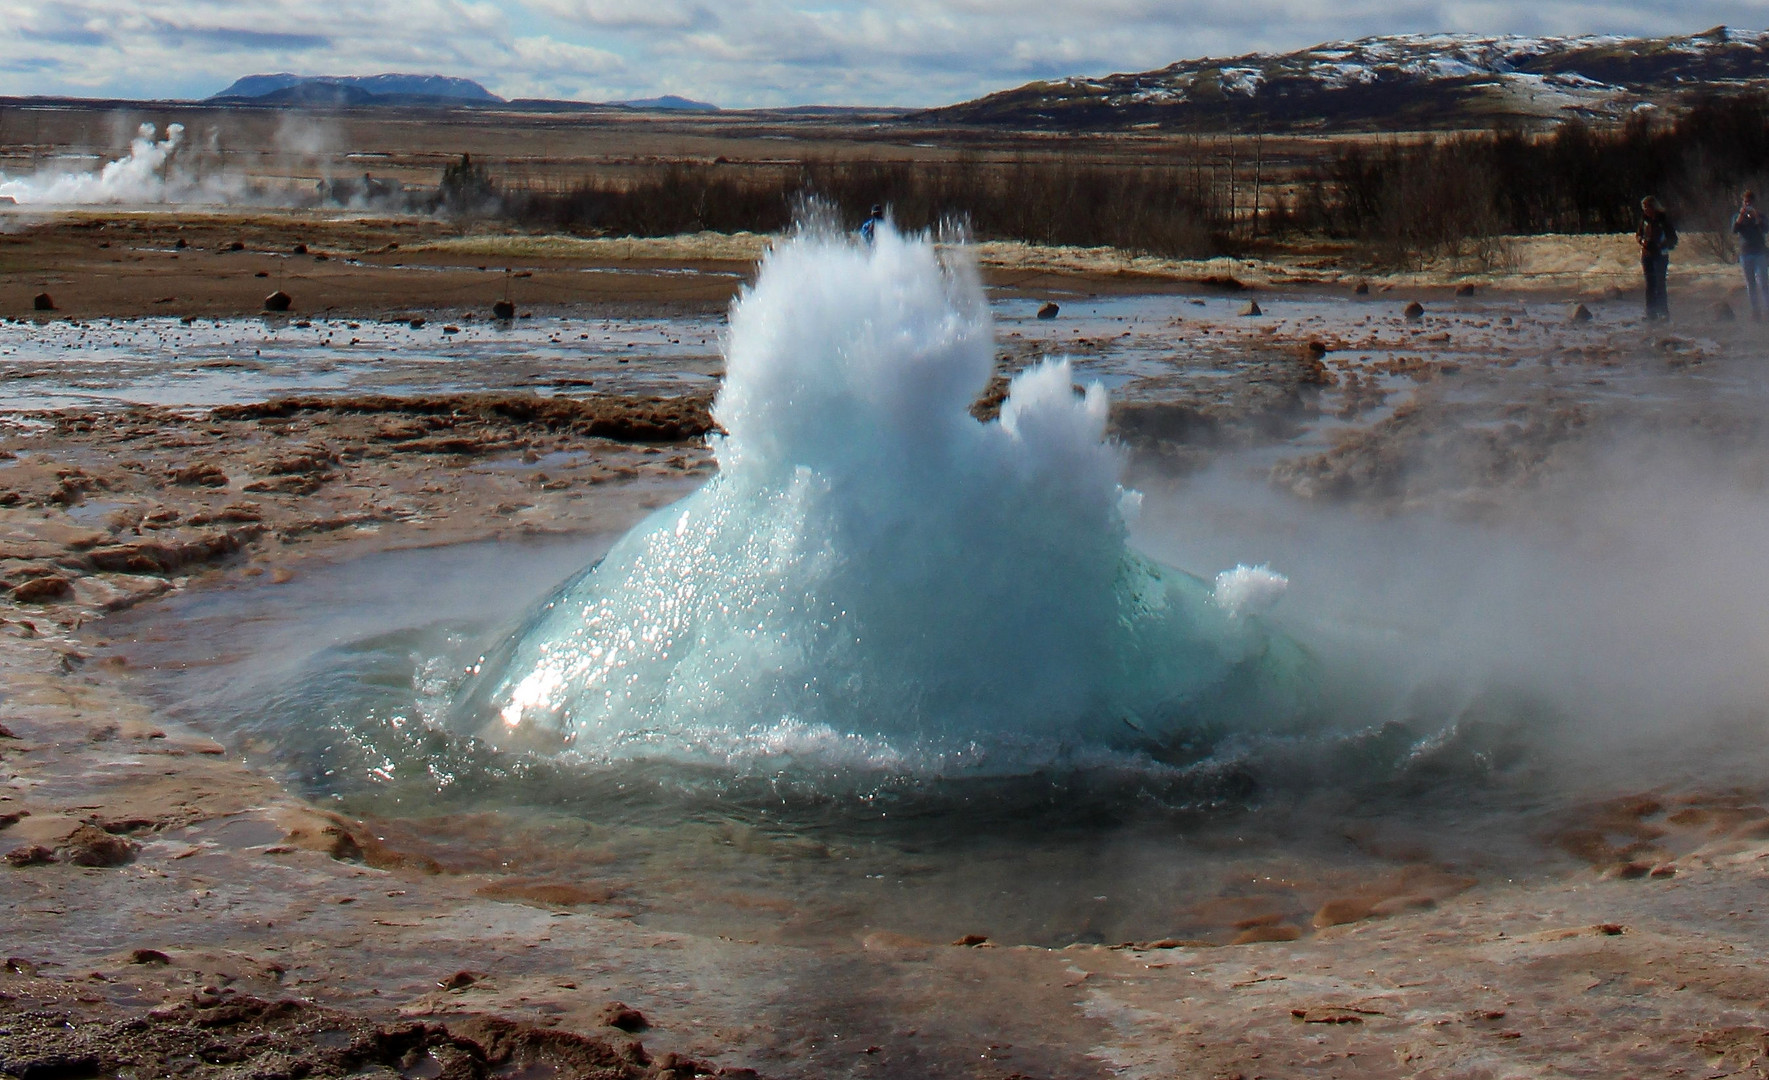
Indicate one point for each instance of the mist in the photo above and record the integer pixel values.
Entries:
(1618, 608)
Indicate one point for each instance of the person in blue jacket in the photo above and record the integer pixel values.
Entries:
(870, 225)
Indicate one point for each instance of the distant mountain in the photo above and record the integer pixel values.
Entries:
(1391, 83)
(287, 89)
(672, 102)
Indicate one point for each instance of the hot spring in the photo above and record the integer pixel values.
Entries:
(898, 669)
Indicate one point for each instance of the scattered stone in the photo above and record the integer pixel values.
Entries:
(1723, 312)
(1255, 935)
(1316, 348)
(299, 249)
(503, 310)
(1049, 310)
(181, 243)
(417, 324)
(90, 845)
(1332, 1014)
(43, 302)
(971, 941)
(1465, 290)
(1362, 289)
(29, 855)
(42, 590)
(237, 245)
(1251, 309)
(620, 1015)
(451, 328)
(262, 274)
(149, 956)
(199, 474)
(1580, 315)
(277, 301)
(1414, 311)
(1610, 929)
(460, 980)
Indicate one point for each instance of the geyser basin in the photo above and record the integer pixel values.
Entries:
(877, 580)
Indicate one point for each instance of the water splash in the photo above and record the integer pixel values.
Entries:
(876, 579)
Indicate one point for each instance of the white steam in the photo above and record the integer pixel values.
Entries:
(151, 173)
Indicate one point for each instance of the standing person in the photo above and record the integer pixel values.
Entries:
(1753, 252)
(870, 225)
(1657, 237)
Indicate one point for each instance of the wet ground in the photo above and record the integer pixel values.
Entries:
(1467, 883)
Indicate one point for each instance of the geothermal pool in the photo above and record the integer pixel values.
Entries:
(902, 675)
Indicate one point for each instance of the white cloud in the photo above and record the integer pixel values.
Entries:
(734, 52)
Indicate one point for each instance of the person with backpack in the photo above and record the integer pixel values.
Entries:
(1657, 237)
(1753, 252)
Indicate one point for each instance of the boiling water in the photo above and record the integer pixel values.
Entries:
(878, 580)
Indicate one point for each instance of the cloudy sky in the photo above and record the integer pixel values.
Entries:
(734, 52)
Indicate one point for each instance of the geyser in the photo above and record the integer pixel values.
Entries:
(876, 579)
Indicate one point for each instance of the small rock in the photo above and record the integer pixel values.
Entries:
(1414, 311)
(617, 1014)
(1048, 311)
(299, 249)
(6, 732)
(1254, 935)
(460, 980)
(971, 941)
(181, 243)
(504, 310)
(1363, 288)
(18, 965)
(1327, 1016)
(277, 301)
(262, 273)
(42, 590)
(417, 324)
(1252, 308)
(237, 245)
(279, 576)
(90, 845)
(1580, 314)
(451, 329)
(30, 855)
(1465, 290)
(43, 302)
(149, 956)
(12, 818)
(1316, 349)
(1664, 871)
(1610, 929)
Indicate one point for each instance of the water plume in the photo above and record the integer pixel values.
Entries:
(875, 578)
(148, 174)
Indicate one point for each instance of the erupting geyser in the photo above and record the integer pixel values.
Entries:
(876, 579)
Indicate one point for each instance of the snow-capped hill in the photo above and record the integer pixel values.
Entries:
(1418, 80)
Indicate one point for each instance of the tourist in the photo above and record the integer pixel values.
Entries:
(1753, 252)
(870, 225)
(1657, 238)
